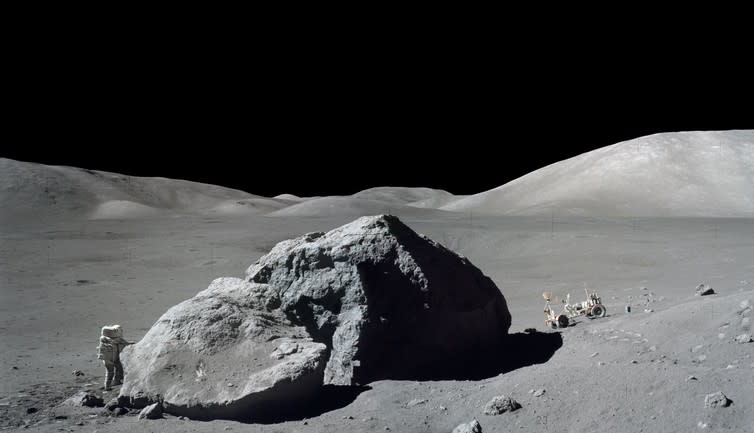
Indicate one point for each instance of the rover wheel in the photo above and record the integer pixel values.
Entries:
(598, 310)
(562, 321)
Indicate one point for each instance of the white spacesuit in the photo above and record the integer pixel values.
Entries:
(111, 342)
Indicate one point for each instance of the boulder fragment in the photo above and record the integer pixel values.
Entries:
(470, 427)
(716, 400)
(153, 411)
(84, 398)
(704, 290)
(501, 404)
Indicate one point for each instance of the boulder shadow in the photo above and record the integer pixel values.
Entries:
(327, 399)
(515, 351)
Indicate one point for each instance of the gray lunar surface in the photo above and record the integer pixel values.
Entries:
(80, 249)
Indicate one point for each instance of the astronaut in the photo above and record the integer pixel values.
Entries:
(111, 342)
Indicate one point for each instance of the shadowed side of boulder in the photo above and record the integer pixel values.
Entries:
(385, 299)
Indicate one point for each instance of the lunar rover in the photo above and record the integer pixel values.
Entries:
(591, 308)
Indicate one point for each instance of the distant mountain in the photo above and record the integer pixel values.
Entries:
(682, 174)
(36, 190)
(350, 206)
(401, 195)
(401, 201)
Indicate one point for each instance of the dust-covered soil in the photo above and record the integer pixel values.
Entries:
(644, 371)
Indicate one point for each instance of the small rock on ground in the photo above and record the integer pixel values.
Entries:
(84, 398)
(743, 338)
(501, 404)
(112, 404)
(469, 427)
(118, 411)
(540, 392)
(153, 411)
(716, 400)
(416, 402)
(704, 290)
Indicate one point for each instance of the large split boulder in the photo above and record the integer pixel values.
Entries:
(368, 300)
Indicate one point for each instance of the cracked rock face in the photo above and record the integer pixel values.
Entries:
(371, 299)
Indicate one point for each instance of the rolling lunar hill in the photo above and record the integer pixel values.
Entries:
(684, 174)
(709, 174)
(54, 191)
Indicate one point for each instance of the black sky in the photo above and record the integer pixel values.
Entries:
(336, 114)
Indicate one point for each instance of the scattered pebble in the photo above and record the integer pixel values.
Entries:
(153, 411)
(470, 427)
(78, 373)
(701, 425)
(31, 410)
(702, 357)
(443, 408)
(594, 354)
(84, 398)
(648, 310)
(633, 361)
(120, 411)
(716, 400)
(112, 404)
(540, 392)
(501, 404)
(600, 363)
(704, 290)
(743, 338)
(692, 377)
(416, 402)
